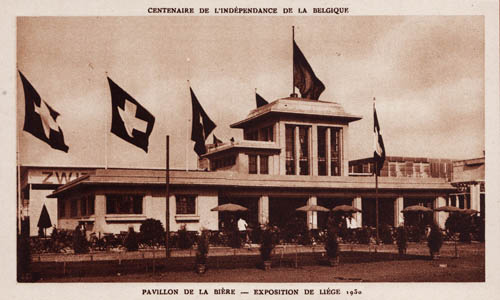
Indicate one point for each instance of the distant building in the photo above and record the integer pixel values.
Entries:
(397, 166)
(468, 178)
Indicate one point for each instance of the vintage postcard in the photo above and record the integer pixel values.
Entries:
(251, 150)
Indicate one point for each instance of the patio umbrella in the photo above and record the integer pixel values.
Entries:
(313, 208)
(44, 221)
(346, 209)
(448, 208)
(229, 207)
(416, 208)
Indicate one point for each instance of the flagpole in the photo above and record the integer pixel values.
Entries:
(167, 197)
(187, 136)
(376, 188)
(106, 134)
(19, 200)
(293, 64)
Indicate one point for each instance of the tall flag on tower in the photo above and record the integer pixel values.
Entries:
(260, 101)
(40, 119)
(378, 142)
(130, 120)
(303, 76)
(202, 126)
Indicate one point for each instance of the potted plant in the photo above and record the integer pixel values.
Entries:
(402, 239)
(131, 241)
(332, 246)
(202, 251)
(435, 241)
(266, 247)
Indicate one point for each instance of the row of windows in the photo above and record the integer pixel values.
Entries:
(263, 164)
(77, 207)
(120, 204)
(265, 134)
(222, 162)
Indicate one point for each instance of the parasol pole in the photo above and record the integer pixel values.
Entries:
(376, 202)
(376, 187)
(167, 197)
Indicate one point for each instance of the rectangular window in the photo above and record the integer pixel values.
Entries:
(392, 169)
(409, 169)
(73, 208)
(322, 151)
(335, 151)
(426, 170)
(124, 204)
(83, 206)
(264, 164)
(400, 171)
(251, 135)
(185, 205)
(304, 150)
(91, 204)
(61, 208)
(252, 164)
(416, 170)
(290, 150)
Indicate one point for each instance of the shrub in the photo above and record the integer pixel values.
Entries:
(184, 239)
(364, 235)
(80, 243)
(267, 245)
(385, 234)
(152, 232)
(131, 241)
(203, 246)
(402, 239)
(331, 243)
(414, 233)
(435, 239)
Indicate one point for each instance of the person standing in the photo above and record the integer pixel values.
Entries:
(242, 227)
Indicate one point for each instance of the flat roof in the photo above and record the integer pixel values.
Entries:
(134, 177)
(298, 106)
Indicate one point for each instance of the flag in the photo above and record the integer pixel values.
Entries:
(40, 119)
(216, 141)
(130, 120)
(303, 76)
(202, 126)
(260, 101)
(379, 149)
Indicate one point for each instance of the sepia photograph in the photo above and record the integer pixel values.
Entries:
(251, 148)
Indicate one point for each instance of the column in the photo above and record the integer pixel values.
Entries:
(100, 214)
(475, 196)
(297, 149)
(312, 216)
(263, 210)
(257, 160)
(281, 137)
(398, 215)
(440, 217)
(357, 203)
(328, 142)
(344, 163)
(313, 150)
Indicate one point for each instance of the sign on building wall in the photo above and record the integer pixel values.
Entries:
(55, 176)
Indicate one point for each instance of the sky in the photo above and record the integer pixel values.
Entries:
(426, 72)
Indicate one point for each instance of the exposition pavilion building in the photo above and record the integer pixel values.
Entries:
(293, 153)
